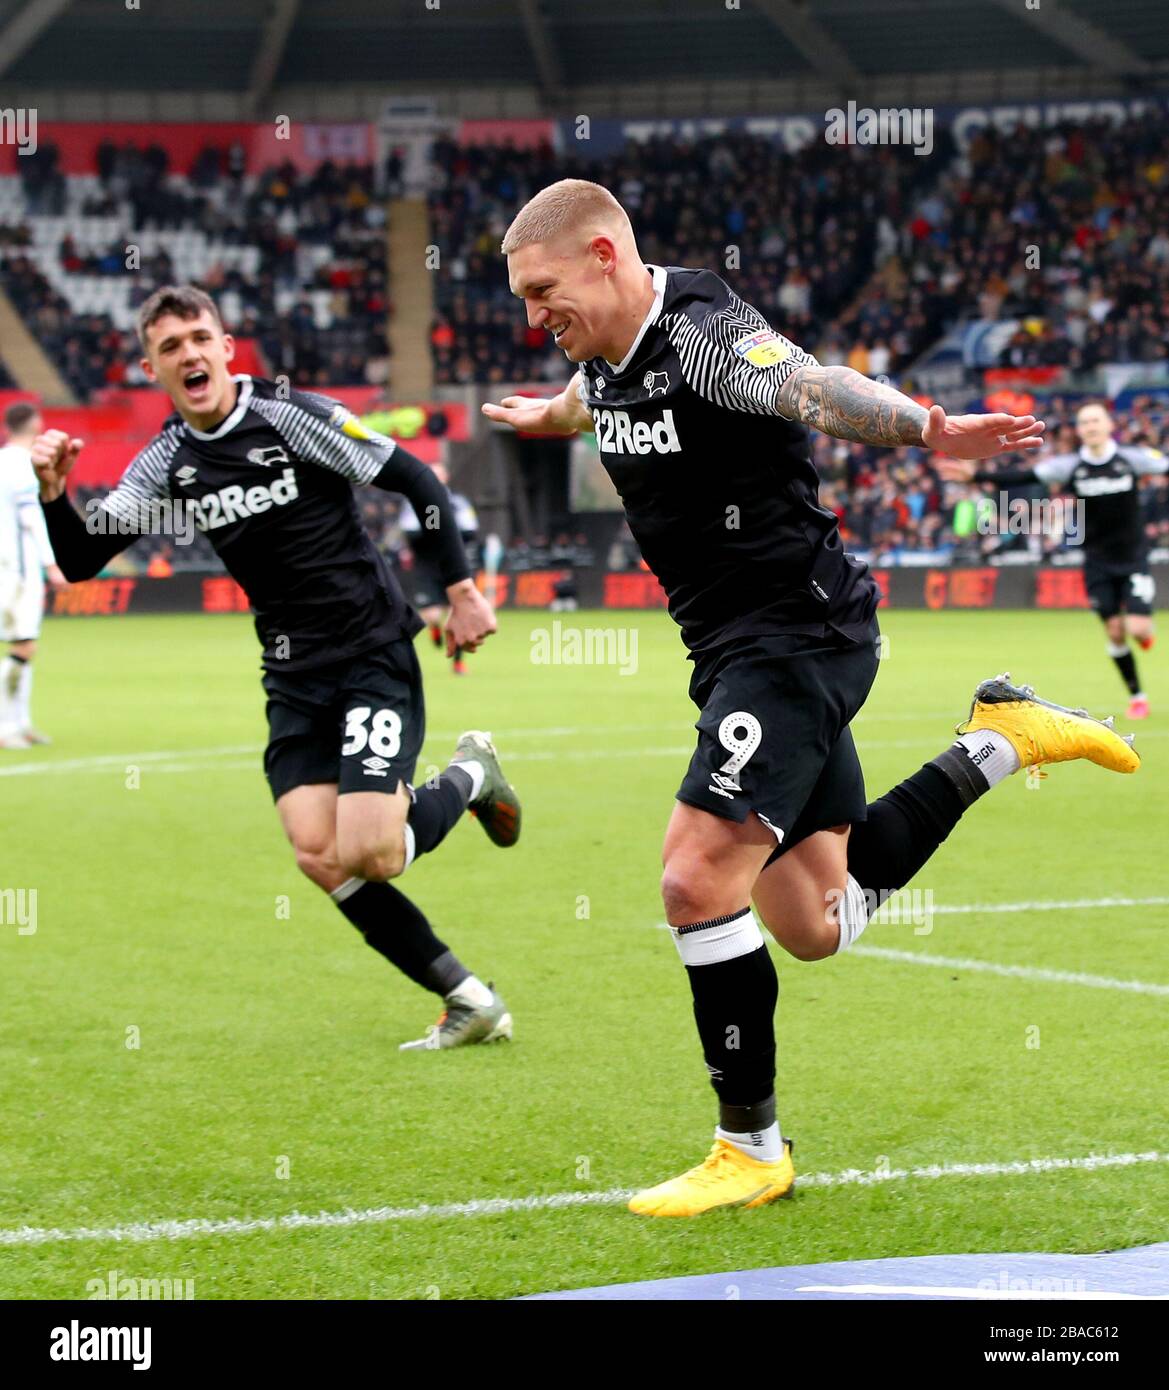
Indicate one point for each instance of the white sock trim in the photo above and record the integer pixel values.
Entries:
(723, 939)
(475, 772)
(408, 836)
(765, 1145)
(474, 991)
(991, 752)
(852, 914)
(346, 889)
(1116, 649)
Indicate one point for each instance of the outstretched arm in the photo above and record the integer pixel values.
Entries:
(843, 403)
(472, 620)
(562, 414)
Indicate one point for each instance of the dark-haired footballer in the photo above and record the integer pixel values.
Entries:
(267, 474)
(1105, 478)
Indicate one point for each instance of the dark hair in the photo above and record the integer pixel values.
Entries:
(184, 301)
(18, 415)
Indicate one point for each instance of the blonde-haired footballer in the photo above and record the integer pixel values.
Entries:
(701, 413)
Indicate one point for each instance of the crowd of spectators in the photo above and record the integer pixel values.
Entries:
(796, 234)
(863, 255)
(317, 304)
(893, 506)
(1058, 231)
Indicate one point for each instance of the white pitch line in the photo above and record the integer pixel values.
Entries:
(185, 759)
(1018, 972)
(1048, 905)
(139, 1232)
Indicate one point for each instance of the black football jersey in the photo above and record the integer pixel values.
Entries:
(272, 489)
(1109, 488)
(718, 486)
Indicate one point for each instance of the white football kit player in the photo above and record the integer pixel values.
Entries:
(25, 554)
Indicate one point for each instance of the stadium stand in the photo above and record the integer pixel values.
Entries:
(296, 259)
(873, 261)
(796, 234)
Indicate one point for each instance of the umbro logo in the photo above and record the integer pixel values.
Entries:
(600, 384)
(185, 476)
(266, 458)
(375, 766)
(724, 785)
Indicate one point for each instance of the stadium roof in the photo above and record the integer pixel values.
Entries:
(255, 49)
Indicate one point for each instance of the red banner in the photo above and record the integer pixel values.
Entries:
(123, 422)
(264, 143)
(960, 588)
(638, 589)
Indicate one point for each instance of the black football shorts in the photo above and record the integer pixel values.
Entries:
(1111, 591)
(358, 722)
(773, 736)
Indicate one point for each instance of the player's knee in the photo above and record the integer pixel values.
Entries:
(376, 863)
(319, 863)
(686, 889)
(817, 945)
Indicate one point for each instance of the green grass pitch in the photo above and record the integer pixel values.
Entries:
(266, 1078)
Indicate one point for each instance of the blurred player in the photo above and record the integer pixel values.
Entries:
(700, 412)
(268, 476)
(422, 580)
(26, 563)
(1105, 477)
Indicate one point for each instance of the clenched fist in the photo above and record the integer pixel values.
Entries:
(53, 456)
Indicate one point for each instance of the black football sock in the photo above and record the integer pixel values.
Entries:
(906, 825)
(395, 928)
(735, 989)
(437, 806)
(1126, 664)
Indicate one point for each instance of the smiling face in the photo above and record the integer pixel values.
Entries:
(189, 358)
(568, 290)
(1093, 426)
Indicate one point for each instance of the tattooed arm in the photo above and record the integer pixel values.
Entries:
(843, 403)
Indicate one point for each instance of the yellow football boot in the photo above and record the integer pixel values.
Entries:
(1041, 732)
(728, 1178)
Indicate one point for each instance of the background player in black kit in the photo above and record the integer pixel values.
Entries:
(700, 412)
(1105, 477)
(268, 473)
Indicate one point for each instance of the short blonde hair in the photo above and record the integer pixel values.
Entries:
(559, 208)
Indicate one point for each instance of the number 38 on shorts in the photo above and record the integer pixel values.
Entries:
(378, 730)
